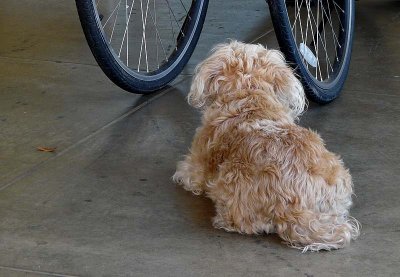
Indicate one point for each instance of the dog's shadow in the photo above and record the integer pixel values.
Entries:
(199, 210)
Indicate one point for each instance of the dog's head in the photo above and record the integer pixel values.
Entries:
(235, 66)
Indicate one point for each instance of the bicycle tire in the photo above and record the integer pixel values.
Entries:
(125, 77)
(316, 90)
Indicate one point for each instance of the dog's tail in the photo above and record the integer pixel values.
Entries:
(310, 231)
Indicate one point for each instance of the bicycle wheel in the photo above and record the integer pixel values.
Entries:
(316, 37)
(142, 45)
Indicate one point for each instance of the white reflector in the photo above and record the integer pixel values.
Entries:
(308, 55)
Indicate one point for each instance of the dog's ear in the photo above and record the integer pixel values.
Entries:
(200, 89)
(209, 74)
(287, 87)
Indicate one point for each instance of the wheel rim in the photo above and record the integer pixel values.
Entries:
(147, 37)
(320, 30)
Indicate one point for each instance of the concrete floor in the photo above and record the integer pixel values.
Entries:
(104, 205)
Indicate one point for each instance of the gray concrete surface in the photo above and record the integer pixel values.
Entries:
(104, 205)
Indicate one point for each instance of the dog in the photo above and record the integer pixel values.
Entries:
(264, 173)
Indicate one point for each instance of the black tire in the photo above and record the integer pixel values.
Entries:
(127, 78)
(320, 91)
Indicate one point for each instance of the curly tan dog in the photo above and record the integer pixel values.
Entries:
(264, 172)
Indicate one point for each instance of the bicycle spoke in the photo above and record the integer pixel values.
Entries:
(144, 41)
(330, 23)
(173, 15)
(170, 22)
(126, 28)
(338, 7)
(324, 45)
(337, 13)
(115, 21)
(155, 26)
(333, 33)
(295, 24)
(301, 26)
(127, 31)
(317, 49)
(185, 8)
(312, 30)
(297, 13)
(323, 42)
(158, 36)
(308, 20)
(116, 7)
(144, 33)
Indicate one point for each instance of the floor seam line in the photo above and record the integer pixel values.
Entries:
(36, 271)
(262, 35)
(47, 61)
(93, 134)
(373, 93)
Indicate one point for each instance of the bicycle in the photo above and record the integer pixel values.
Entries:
(315, 35)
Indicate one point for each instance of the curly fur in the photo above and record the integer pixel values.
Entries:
(263, 172)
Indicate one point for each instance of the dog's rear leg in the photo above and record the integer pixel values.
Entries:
(223, 219)
(236, 218)
(313, 231)
(239, 202)
(190, 175)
